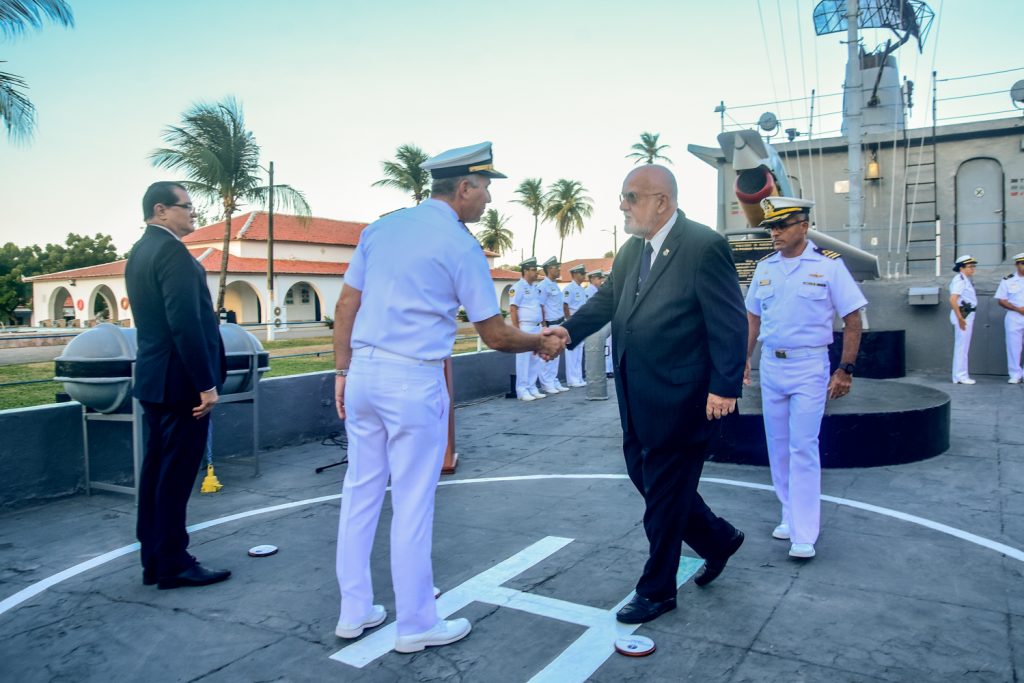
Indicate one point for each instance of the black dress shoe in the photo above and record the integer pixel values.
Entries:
(640, 610)
(714, 567)
(148, 577)
(196, 575)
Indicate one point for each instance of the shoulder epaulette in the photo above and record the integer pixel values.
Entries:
(1009, 277)
(827, 253)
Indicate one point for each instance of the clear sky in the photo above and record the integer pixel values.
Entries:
(331, 87)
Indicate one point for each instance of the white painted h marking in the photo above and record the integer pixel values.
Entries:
(576, 663)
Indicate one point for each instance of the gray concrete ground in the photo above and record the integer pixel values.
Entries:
(886, 599)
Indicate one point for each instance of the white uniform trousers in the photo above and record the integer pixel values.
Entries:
(793, 394)
(528, 364)
(549, 372)
(961, 346)
(574, 365)
(397, 424)
(1013, 323)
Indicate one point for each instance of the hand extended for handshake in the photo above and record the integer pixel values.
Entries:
(552, 342)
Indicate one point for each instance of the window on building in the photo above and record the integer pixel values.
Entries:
(305, 295)
(289, 298)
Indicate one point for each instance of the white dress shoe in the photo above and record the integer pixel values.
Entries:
(376, 617)
(781, 532)
(536, 393)
(965, 381)
(561, 387)
(526, 396)
(443, 633)
(801, 550)
(583, 384)
(1014, 380)
(550, 390)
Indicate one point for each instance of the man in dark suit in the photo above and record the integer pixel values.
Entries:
(178, 369)
(679, 329)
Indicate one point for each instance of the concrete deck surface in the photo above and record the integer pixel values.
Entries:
(887, 598)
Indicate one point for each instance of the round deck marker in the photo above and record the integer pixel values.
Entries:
(635, 646)
(262, 550)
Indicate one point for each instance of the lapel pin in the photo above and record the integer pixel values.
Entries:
(665, 253)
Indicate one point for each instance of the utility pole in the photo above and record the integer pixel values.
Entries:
(854, 96)
(271, 304)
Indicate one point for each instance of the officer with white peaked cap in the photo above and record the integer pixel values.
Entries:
(1010, 295)
(963, 301)
(792, 299)
(574, 296)
(394, 327)
(525, 314)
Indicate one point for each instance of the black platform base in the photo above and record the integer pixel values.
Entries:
(878, 423)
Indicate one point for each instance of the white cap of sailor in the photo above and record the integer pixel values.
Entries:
(463, 161)
(779, 209)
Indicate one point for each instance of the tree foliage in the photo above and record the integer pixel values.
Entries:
(405, 174)
(495, 236)
(17, 112)
(221, 160)
(78, 251)
(531, 195)
(566, 204)
(648, 149)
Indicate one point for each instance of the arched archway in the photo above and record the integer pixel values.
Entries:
(303, 302)
(62, 306)
(242, 298)
(103, 304)
(503, 301)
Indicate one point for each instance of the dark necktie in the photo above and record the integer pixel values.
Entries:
(645, 265)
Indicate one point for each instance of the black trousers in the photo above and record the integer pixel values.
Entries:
(174, 452)
(675, 513)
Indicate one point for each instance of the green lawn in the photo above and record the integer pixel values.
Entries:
(43, 393)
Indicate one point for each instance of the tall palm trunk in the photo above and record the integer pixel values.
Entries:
(533, 247)
(222, 285)
(561, 248)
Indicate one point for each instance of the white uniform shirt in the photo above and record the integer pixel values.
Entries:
(574, 296)
(526, 298)
(797, 299)
(1011, 288)
(551, 299)
(962, 285)
(590, 291)
(414, 268)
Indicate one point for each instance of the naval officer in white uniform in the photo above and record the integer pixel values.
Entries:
(574, 296)
(553, 307)
(1010, 295)
(525, 314)
(394, 326)
(963, 302)
(794, 295)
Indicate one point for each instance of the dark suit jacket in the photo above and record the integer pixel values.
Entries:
(180, 350)
(685, 334)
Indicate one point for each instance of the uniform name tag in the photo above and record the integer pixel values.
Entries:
(762, 283)
(816, 284)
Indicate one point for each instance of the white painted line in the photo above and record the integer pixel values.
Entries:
(31, 591)
(382, 641)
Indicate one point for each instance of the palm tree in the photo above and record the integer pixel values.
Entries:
(405, 173)
(648, 149)
(531, 195)
(16, 16)
(566, 204)
(495, 236)
(221, 160)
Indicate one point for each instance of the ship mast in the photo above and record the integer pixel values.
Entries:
(854, 95)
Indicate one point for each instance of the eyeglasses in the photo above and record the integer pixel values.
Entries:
(187, 207)
(785, 225)
(632, 197)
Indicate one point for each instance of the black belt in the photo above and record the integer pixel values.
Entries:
(548, 323)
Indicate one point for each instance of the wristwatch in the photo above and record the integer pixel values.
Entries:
(343, 372)
(848, 368)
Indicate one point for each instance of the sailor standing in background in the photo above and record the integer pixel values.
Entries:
(595, 277)
(525, 313)
(554, 314)
(964, 302)
(574, 297)
(794, 295)
(1010, 296)
(596, 280)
